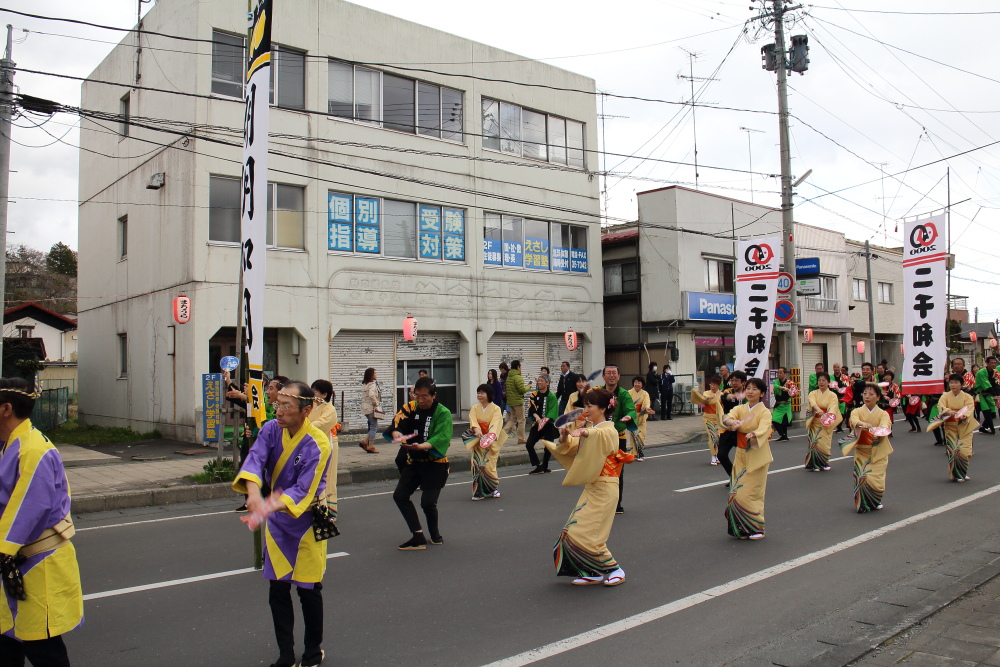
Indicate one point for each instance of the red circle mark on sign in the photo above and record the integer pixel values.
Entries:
(784, 311)
(785, 282)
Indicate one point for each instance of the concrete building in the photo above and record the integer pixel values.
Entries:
(451, 195)
(887, 290)
(57, 333)
(668, 284)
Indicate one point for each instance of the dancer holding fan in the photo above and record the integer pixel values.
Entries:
(712, 414)
(823, 404)
(870, 429)
(487, 438)
(959, 426)
(751, 424)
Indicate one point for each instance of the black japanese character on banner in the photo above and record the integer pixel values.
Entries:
(751, 367)
(246, 316)
(923, 335)
(758, 316)
(923, 305)
(248, 118)
(922, 364)
(248, 181)
(247, 253)
(755, 344)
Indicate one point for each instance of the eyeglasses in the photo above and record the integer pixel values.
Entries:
(284, 408)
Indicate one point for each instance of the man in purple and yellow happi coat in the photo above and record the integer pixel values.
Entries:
(42, 597)
(290, 457)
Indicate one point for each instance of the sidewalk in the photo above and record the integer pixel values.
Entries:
(102, 482)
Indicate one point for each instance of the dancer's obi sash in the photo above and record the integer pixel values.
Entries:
(51, 538)
(850, 442)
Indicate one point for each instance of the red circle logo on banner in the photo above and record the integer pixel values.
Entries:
(923, 235)
(758, 254)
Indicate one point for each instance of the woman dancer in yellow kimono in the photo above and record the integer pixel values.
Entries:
(712, 416)
(485, 417)
(819, 435)
(642, 411)
(752, 423)
(592, 459)
(957, 432)
(871, 453)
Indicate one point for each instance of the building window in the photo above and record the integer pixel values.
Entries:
(885, 293)
(123, 237)
(512, 241)
(285, 213)
(125, 113)
(826, 300)
(859, 289)
(718, 275)
(532, 134)
(24, 330)
(123, 355)
(391, 228)
(444, 372)
(621, 278)
(288, 77)
(227, 64)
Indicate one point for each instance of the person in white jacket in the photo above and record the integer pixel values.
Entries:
(371, 408)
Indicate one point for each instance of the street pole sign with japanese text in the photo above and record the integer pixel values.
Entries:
(757, 273)
(254, 200)
(925, 260)
(211, 405)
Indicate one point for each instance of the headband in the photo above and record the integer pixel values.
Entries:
(33, 395)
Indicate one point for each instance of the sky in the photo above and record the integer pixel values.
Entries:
(896, 94)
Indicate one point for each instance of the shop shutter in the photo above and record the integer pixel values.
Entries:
(556, 353)
(351, 352)
(812, 354)
(428, 346)
(529, 348)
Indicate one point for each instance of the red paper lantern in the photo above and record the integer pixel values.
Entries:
(861, 347)
(182, 309)
(807, 334)
(973, 337)
(993, 342)
(901, 349)
(570, 339)
(410, 328)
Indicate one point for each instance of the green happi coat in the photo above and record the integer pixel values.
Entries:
(782, 410)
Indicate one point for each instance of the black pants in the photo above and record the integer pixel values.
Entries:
(988, 420)
(727, 440)
(913, 420)
(623, 446)
(534, 435)
(782, 429)
(49, 652)
(666, 405)
(431, 478)
(283, 615)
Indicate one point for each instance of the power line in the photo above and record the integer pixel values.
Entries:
(883, 11)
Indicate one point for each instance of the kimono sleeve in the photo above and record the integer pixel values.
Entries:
(324, 418)
(40, 487)
(697, 397)
(253, 468)
(855, 418)
(441, 432)
(496, 421)
(812, 401)
(763, 430)
(884, 420)
(626, 408)
(552, 407)
(315, 459)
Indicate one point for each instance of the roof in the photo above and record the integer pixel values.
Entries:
(708, 194)
(982, 329)
(40, 313)
(615, 237)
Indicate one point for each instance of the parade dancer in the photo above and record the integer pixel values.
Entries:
(751, 424)
(486, 421)
(871, 451)
(731, 397)
(624, 419)
(643, 411)
(824, 406)
(42, 597)
(593, 459)
(782, 412)
(711, 415)
(543, 410)
(959, 427)
(986, 386)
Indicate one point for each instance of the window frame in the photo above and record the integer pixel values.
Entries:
(553, 262)
(549, 149)
(122, 238)
(275, 78)
(125, 113)
(855, 283)
(719, 271)
(620, 266)
(272, 211)
(891, 299)
(123, 356)
(243, 58)
(414, 366)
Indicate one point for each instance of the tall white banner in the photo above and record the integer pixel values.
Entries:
(254, 200)
(925, 306)
(756, 291)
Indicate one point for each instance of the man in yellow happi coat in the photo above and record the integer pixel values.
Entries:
(42, 597)
(958, 431)
(871, 453)
(821, 401)
(751, 423)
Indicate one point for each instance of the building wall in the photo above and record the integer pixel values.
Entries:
(313, 294)
(59, 345)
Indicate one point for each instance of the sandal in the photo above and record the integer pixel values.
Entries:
(588, 581)
(615, 578)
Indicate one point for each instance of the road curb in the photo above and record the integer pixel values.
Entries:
(170, 495)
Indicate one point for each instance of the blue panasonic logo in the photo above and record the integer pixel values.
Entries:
(708, 306)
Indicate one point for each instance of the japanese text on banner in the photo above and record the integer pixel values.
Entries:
(756, 289)
(925, 265)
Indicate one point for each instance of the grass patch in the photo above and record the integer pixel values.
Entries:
(71, 433)
(215, 471)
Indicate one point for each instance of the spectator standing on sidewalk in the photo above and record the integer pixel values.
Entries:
(666, 393)
(565, 386)
(516, 389)
(371, 408)
(324, 417)
(42, 597)
(504, 371)
(652, 385)
(494, 382)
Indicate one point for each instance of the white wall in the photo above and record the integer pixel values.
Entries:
(59, 345)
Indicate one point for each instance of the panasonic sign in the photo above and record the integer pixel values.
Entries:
(711, 307)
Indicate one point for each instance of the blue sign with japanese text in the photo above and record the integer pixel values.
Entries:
(429, 236)
(711, 307)
(560, 258)
(366, 225)
(513, 253)
(339, 236)
(492, 253)
(536, 253)
(211, 401)
(578, 260)
(454, 234)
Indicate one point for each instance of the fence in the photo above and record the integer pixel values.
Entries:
(51, 409)
(61, 383)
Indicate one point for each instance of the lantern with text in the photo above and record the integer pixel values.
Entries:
(570, 338)
(861, 347)
(973, 337)
(182, 309)
(993, 342)
(410, 328)
(807, 334)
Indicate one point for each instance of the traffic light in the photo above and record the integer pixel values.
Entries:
(799, 54)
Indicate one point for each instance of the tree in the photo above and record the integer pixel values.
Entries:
(29, 278)
(61, 260)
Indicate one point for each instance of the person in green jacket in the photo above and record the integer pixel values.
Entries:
(543, 410)
(987, 388)
(425, 434)
(516, 389)
(624, 418)
(781, 414)
(813, 382)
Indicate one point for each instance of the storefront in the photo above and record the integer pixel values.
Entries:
(711, 317)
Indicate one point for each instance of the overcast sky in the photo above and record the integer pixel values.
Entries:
(865, 112)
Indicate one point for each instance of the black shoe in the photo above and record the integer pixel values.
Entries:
(322, 654)
(438, 540)
(619, 510)
(416, 543)
(545, 470)
(242, 508)
(669, 419)
(538, 470)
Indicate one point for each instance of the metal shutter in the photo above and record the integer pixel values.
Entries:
(556, 353)
(812, 354)
(529, 348)
(351, 352)
(428, 346)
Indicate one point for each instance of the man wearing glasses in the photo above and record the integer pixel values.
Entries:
(290, 457)
(624, 418)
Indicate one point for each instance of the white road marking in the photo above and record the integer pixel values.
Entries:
(657, 613)
(770, 472)
(179, 582)
(169, 518)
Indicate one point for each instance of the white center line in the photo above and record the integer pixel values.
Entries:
(770, 472)
(169, 518)
(178, 582)
(657, 613)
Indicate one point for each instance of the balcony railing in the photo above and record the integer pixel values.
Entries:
(822, 305)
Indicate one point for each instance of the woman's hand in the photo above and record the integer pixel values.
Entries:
(863, 425)
(478, 431)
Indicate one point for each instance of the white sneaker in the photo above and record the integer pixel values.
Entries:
(714, 461)
(588, 581)
(879, 506)
(615, 578)
(826, 467)
(476, 498)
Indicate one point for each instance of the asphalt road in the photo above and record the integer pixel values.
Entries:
(693, 595)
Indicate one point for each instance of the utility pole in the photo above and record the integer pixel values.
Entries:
(871, 302)
(6, 111)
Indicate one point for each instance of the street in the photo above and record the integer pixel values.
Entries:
(693, 595)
